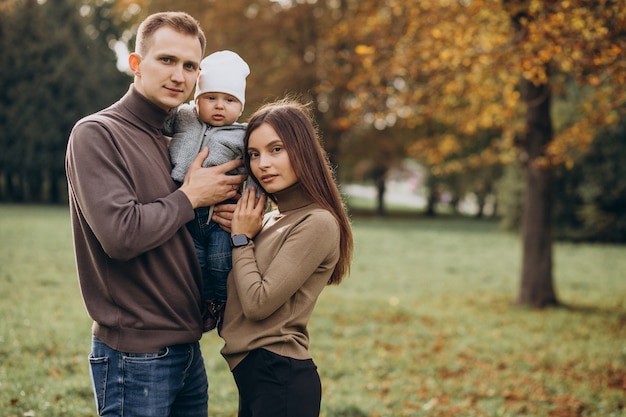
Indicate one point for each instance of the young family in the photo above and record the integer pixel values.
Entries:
(170, 244)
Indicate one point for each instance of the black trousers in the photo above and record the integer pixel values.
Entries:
(271, 385)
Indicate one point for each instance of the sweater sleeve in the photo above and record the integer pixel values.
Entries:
(127, 219)
(310, 246)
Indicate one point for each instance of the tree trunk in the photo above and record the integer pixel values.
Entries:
(380, 200)
(537, 289)
(380, 175)
(481, 200)
(433, 196)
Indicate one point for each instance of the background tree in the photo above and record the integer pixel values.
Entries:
(437, 81)
(56, 66)
(494, 64)
(591, 196)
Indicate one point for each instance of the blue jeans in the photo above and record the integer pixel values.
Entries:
(212, 245)
(169, 383)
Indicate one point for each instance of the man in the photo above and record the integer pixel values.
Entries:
(136, 263)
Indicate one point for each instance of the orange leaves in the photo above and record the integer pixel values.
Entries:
(364, 50)
(448, 145)
(456, 65)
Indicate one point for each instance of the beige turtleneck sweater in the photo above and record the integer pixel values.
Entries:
(276, 280)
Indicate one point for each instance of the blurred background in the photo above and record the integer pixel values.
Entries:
(512, 110)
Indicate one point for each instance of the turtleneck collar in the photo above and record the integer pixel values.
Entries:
(292, 198)
(143, 109)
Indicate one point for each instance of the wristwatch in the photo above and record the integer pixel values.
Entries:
(238, 241)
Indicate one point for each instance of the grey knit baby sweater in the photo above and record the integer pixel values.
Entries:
(189, 135)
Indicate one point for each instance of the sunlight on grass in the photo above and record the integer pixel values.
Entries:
(424, 326)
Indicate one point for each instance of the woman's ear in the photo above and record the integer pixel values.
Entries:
(133, 63)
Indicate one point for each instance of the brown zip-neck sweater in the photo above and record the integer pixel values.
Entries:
(136, 263)
(276, 280)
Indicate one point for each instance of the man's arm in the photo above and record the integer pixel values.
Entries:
(128, 214)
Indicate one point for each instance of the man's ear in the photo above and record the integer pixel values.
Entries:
(133, 63)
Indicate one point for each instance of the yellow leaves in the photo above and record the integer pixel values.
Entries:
(535, 6)
(611, 118)
(569, 142)
(460, 64)
(449, 145)
(577, 54)
(577, 23)
(364, 50)
(510, 97)
(534, 70)
(545, 55)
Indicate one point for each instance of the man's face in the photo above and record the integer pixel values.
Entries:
(167, 72)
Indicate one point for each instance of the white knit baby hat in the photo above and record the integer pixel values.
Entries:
(223, 72)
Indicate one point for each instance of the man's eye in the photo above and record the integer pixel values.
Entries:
(166, 60)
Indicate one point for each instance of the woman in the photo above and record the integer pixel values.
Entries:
(298, 249)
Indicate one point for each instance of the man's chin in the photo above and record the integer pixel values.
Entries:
(171, 103)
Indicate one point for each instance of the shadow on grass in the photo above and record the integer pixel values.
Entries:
(594, 310)
(441, 222)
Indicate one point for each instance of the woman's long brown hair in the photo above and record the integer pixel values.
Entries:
(293, 123)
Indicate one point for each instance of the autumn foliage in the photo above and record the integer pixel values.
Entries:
(458, 64)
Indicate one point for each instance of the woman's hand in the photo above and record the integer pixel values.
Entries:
(248, 215)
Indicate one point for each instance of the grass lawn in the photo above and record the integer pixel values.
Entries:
(424, 326)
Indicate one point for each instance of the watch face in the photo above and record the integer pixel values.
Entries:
(239, 240)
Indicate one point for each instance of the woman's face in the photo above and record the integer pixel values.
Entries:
(269, 160)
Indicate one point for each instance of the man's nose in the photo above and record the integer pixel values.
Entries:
(178, 74)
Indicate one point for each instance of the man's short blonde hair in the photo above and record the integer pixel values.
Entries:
(179, 21)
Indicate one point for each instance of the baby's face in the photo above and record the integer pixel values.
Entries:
(218, 109)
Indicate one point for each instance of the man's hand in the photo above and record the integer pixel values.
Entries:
(207, 186)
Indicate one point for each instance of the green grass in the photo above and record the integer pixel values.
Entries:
(424, 326)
